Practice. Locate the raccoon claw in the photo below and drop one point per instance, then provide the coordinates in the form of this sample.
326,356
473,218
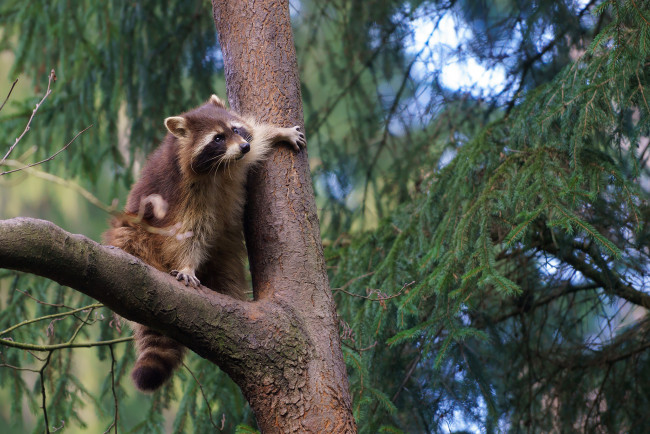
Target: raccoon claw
188,278
297,139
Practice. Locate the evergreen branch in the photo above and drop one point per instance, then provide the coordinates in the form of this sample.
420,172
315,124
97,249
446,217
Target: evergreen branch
413,332
53,347
409,373
638,80
527,65
608,358
205,398
611,283
17,368
55,315
52,78
590,230
640,13
115,418
50,158
92,199
380,297
65,183
9,94
42,377
596,400
79,327
391,112
473,272
331,104
41,302
610,353
543,301
361,350
351,281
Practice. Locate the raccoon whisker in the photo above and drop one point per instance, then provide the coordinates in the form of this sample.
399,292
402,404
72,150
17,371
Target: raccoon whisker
229,173
216,168
219,163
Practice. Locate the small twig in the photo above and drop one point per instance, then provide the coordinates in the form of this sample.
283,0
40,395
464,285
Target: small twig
51,157
9,94
66,183
32,354
56,315
169,231
41,301
204,397
351,281
17,368
360,350
52,78
33,347
47,361
114,424
79,327
640,13
380,297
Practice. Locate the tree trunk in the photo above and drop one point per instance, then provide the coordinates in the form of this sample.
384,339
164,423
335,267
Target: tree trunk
282,229
283,349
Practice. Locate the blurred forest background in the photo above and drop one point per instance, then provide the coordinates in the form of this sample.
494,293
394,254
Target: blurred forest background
482,177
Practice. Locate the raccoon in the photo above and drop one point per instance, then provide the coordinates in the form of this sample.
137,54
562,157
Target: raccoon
184,215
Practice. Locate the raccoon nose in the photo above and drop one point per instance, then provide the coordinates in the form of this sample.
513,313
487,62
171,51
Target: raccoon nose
245,147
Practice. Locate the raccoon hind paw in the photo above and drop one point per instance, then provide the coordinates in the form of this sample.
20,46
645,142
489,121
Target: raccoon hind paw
186,277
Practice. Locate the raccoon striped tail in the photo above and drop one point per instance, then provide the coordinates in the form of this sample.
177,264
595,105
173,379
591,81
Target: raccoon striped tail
158,357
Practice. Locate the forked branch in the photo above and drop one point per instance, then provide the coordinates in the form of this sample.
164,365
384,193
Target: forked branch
217,327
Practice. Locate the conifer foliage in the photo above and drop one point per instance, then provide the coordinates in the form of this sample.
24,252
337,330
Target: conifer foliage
488,250
528,252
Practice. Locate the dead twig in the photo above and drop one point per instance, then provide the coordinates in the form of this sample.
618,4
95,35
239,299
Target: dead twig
52,78
9,94
41,301
115,418
205,398
51,157
381,297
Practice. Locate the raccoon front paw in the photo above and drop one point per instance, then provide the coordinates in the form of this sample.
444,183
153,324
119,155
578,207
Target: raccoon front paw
296,138
186,276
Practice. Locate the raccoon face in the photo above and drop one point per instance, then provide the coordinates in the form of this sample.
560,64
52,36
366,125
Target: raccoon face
211,144
223,147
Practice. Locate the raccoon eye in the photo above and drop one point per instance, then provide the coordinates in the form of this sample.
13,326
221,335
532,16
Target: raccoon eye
236,130
219,138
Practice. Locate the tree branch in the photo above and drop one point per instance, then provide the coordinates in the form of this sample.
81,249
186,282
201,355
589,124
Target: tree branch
9,94
608,279
50,158
217,327
52,77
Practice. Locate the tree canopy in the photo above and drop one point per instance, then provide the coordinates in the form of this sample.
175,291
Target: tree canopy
487,239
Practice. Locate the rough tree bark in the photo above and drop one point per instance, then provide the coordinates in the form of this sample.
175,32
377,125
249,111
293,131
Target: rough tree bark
282,230
283,349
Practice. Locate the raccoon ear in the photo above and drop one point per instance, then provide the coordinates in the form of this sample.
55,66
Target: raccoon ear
214,99
177,126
